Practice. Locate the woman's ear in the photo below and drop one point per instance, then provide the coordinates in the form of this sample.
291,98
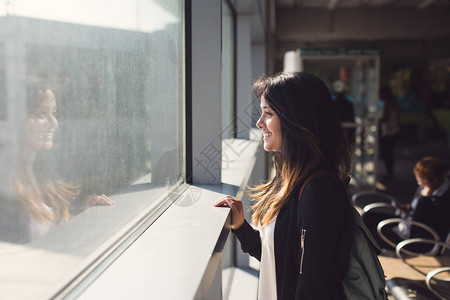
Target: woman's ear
347,181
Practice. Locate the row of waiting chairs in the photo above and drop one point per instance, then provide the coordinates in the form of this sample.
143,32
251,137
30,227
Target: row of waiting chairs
367,201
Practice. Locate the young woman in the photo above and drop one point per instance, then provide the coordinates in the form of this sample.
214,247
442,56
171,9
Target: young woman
304,237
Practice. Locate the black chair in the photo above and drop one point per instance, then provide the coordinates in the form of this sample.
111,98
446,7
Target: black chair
374,201
441,288
363,198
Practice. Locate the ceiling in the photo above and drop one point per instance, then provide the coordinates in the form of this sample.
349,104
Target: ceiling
333,4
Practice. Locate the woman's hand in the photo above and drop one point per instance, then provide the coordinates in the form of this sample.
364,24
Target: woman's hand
426,191
237,211
99,200
404,208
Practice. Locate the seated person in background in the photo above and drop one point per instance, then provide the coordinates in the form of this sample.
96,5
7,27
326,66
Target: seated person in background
430,205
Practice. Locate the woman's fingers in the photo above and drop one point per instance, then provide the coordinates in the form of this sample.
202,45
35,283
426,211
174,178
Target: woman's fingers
226,201
100,200
105,200
221,203
237,211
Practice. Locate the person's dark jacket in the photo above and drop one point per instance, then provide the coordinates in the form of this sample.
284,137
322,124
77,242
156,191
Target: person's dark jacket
433,211
324,211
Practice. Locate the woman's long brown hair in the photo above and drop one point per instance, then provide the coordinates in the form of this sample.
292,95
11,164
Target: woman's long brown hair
34,194
312,137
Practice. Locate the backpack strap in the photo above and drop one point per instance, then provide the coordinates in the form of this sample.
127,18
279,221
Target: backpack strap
356,216
359,222
309,178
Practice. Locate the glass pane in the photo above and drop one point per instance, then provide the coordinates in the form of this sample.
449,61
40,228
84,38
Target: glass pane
91,131
359,79
228,72
3,106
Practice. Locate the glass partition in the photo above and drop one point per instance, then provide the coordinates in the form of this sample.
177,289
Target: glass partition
358,72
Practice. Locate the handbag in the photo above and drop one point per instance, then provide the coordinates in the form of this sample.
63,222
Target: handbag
364,278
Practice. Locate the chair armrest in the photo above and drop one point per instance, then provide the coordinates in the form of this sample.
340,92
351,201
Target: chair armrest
432,252
433,273
363,198
399,220
377,205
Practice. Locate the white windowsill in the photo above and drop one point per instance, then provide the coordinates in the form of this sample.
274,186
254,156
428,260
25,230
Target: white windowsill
168,261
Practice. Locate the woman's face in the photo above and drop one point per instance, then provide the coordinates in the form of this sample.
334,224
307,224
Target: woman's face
42,122
424,183
270,125
420,181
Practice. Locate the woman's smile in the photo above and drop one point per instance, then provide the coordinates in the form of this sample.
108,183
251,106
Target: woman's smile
270,125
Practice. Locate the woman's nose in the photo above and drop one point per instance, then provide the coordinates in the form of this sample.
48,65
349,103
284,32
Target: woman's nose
52,122
259,123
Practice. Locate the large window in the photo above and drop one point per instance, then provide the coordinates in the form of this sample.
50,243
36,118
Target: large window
91,132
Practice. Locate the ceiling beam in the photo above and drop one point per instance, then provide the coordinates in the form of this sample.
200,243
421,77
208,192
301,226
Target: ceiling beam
332,4
298,3
425,3
287,3
380,2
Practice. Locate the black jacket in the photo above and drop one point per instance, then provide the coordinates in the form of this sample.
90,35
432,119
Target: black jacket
324,211
433,211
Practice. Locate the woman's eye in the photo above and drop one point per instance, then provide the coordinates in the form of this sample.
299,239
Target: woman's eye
38,115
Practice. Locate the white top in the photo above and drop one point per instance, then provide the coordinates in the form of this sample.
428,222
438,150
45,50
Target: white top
267,275
38,228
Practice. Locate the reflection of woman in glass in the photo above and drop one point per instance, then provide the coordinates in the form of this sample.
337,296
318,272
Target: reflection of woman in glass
42,200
